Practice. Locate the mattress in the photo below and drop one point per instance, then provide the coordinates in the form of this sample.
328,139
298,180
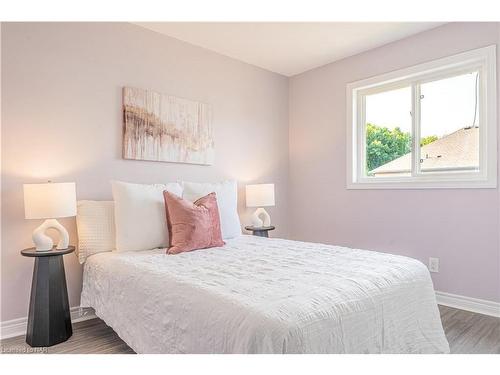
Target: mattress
266,295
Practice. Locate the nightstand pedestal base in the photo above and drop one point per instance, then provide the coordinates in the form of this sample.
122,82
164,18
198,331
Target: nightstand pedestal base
49,320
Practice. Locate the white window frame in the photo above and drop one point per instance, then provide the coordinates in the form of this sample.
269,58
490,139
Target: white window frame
482,60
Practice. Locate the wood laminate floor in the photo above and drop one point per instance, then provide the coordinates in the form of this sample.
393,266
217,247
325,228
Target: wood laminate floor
470,333
466,332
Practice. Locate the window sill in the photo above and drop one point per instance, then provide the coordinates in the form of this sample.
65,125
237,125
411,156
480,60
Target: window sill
416,184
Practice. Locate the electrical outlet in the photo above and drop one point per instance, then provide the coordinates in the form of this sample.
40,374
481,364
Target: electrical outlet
434,264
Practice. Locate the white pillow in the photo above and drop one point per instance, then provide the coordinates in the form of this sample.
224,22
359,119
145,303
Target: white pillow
227,201
140,217
95,224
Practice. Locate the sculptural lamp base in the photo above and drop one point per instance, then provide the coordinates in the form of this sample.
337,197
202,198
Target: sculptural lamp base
261,218
44,242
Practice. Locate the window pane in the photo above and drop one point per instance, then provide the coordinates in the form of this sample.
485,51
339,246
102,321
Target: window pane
388,133
449,131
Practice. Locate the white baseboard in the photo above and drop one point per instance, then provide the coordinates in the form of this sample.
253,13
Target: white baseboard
17,327
476,305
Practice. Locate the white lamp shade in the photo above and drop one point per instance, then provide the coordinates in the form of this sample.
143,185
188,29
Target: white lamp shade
49,200
260,195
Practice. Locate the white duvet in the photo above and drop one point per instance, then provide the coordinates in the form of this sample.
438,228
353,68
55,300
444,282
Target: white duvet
258,295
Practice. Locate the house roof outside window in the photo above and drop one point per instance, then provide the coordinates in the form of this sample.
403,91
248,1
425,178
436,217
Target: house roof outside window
457,151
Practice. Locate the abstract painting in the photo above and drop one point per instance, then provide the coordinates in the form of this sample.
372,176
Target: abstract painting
161,127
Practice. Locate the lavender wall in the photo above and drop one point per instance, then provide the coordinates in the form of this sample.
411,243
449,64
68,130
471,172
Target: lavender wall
460,226
61,119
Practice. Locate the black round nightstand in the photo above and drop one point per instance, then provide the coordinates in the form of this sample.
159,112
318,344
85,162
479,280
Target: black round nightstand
260,231
49,320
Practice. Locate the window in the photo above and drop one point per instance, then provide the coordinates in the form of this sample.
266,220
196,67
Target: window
428,126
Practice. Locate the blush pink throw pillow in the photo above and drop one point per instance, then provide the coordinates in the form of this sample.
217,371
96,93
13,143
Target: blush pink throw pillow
192,226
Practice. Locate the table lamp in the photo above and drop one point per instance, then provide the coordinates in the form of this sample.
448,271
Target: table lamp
49,201
260,195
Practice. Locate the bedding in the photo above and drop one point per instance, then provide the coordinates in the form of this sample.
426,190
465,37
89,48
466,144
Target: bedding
95,224
192,226
140,221
261,295
227,200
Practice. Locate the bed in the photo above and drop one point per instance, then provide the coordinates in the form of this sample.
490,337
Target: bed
260,295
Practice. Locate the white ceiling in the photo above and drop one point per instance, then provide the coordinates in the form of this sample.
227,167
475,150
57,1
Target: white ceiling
288,48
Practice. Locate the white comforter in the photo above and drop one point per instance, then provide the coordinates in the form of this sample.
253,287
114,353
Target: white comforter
258,295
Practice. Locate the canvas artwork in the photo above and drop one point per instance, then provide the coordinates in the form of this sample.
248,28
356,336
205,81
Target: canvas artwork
161,127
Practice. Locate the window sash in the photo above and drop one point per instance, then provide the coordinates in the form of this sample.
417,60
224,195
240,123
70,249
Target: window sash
483,61
415,86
